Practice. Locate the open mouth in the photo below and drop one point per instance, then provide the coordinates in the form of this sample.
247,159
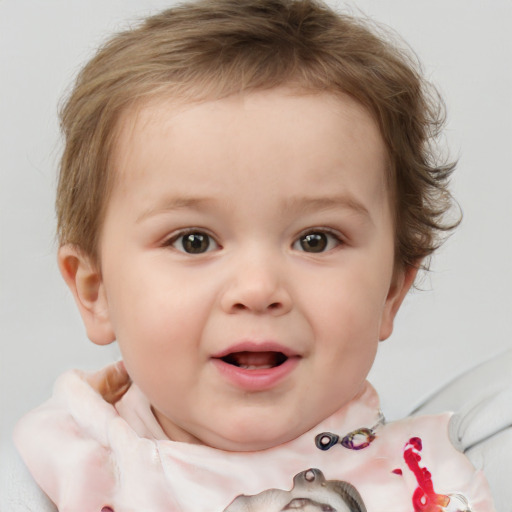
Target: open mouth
255,360
255,367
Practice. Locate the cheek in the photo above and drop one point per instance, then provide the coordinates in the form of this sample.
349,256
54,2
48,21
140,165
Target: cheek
348,304
150,294
159,324
159,317
159,339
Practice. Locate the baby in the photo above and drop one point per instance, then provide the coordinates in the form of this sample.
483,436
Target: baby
246,194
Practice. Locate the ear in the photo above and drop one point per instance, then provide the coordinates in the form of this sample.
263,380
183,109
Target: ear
402,282
84,280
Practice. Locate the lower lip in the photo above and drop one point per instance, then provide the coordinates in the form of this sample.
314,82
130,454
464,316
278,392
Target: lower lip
256,380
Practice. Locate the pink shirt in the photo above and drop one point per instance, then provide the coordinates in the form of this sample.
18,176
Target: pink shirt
88,455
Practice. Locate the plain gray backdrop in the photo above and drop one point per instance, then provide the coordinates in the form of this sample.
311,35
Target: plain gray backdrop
462,316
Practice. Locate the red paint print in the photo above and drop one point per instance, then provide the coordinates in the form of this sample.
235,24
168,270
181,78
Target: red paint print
424,499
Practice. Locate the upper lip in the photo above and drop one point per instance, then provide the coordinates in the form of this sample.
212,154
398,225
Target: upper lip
254,346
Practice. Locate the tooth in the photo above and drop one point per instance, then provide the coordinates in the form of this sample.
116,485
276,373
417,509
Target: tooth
253,367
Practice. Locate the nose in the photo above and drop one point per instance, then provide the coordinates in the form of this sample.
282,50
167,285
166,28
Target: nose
257,285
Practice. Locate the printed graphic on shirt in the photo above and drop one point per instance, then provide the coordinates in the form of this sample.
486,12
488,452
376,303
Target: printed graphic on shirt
425,498
311,492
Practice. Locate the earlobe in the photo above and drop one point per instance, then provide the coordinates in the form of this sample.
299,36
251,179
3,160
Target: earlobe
84,280
402,283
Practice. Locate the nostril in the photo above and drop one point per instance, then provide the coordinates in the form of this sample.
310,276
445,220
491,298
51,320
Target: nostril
241,307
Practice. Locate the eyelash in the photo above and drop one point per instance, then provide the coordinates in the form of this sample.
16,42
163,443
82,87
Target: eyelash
332,240
181,236
322,240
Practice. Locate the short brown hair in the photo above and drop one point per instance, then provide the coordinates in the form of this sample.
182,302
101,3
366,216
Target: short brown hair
215,48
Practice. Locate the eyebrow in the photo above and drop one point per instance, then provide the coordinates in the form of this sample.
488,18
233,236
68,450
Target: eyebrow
308,204
295,204
175,203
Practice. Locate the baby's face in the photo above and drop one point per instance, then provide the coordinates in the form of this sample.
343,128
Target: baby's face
247,262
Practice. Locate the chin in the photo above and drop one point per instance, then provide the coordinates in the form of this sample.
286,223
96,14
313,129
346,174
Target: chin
250,438
246,445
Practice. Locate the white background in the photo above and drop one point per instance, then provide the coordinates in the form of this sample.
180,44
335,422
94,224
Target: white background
462,316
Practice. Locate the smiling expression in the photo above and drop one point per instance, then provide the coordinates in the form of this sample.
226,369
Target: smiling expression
247,262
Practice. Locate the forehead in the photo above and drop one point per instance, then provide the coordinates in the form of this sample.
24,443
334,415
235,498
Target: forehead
277,142
310,118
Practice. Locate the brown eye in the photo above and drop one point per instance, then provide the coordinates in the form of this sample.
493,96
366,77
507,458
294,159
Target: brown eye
316,242
194,243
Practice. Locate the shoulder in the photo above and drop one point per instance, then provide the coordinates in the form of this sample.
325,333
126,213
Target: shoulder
84,455
481,425
64,442
18,489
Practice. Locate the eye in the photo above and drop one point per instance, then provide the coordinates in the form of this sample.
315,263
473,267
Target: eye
316,241
193,242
